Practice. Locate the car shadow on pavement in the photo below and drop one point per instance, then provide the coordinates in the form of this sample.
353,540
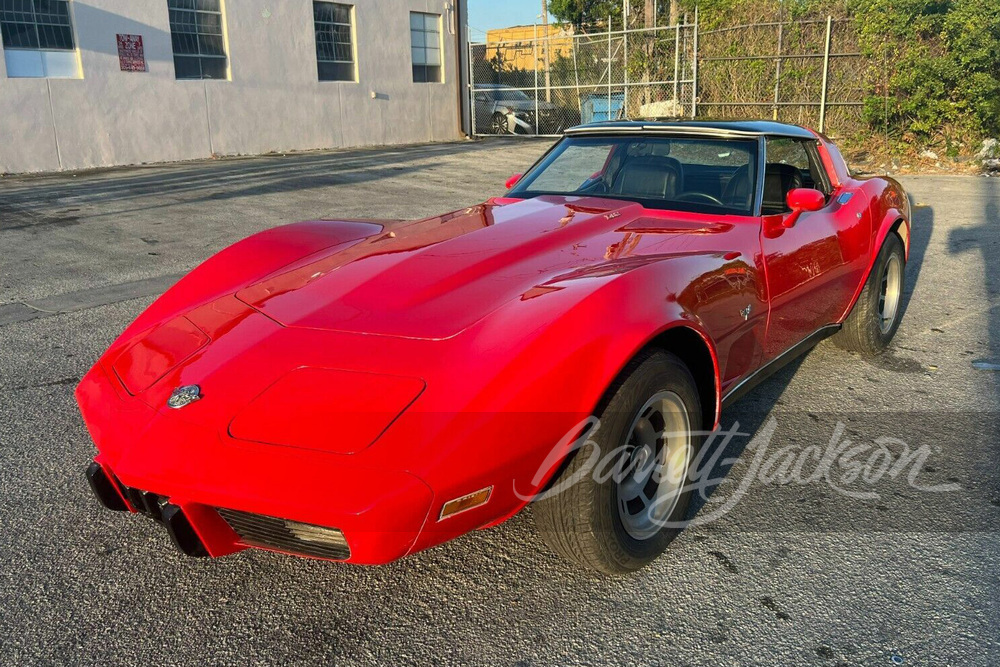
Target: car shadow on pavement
921,228
746,416
985,238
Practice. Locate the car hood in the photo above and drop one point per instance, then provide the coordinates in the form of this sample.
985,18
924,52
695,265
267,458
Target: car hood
433,278
346,308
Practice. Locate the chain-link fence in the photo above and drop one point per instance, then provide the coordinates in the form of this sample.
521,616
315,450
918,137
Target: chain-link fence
805,72
541,85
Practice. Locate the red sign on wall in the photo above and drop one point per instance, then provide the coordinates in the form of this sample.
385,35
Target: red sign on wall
131,56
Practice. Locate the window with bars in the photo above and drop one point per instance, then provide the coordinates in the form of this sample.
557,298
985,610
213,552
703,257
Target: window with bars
425,47
37,38
198,39
334,41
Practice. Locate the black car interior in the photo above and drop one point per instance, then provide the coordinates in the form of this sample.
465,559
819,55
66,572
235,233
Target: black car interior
650,176
779,179
738,191
645,170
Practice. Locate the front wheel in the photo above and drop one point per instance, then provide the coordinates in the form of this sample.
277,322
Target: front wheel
498,124
875,317
631,484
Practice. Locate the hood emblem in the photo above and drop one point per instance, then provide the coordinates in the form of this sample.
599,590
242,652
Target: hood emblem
183,396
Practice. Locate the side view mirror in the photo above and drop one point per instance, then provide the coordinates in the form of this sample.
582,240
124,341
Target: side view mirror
802,200
512,181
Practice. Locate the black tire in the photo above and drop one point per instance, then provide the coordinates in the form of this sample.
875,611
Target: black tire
498,124
584,522
866,329
561,122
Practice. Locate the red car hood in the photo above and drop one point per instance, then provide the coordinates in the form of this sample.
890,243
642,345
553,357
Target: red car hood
433,278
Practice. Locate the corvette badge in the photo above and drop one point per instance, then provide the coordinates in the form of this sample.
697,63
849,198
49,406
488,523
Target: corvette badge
183,396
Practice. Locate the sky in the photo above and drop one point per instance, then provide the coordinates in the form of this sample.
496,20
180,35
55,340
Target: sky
488,14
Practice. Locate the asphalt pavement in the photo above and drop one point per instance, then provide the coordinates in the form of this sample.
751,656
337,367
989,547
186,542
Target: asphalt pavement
857,565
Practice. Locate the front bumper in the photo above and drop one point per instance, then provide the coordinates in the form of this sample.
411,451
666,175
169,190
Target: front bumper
115,496
548,122
183,474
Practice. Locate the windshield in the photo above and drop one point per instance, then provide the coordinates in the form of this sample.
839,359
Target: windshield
664,172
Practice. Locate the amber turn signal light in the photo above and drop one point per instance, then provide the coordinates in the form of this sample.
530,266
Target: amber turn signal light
465,503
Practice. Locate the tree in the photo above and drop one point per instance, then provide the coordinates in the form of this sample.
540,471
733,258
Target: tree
581,13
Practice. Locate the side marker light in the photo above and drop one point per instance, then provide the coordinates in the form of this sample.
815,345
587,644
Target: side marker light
466,503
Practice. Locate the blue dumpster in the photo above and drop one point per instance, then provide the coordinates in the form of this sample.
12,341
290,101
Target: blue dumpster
601,106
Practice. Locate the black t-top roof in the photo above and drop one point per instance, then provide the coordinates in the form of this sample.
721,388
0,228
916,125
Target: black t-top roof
707,127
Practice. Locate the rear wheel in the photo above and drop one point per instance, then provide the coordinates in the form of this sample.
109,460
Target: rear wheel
875,317
622,513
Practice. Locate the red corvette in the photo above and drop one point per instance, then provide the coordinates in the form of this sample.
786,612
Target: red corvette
361,390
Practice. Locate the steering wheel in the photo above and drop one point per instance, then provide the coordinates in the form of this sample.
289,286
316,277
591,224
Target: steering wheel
700,196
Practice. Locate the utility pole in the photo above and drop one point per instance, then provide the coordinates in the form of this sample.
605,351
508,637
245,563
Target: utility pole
648,39
545,50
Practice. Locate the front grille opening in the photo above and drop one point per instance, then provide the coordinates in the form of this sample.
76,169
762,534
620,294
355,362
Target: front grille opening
257,530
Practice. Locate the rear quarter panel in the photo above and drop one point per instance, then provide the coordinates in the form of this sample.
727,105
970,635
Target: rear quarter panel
887,207
887,211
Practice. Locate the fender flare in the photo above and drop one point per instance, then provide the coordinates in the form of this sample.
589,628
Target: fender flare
687,323
654,339
694,326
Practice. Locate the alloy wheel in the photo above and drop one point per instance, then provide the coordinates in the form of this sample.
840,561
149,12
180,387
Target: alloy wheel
889,293
652,471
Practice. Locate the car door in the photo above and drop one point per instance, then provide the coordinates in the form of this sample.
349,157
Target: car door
813,266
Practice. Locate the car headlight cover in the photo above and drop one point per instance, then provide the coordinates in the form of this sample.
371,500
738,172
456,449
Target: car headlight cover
330,410
157,352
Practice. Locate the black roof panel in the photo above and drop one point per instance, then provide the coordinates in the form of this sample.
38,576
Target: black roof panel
721,127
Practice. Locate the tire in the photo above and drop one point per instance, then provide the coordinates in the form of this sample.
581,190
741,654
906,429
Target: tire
591,521
498,124
875,317
561,122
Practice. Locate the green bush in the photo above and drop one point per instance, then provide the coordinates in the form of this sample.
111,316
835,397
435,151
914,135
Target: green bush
934,67
972,33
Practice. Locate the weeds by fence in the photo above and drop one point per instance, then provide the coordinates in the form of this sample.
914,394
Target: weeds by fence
803,72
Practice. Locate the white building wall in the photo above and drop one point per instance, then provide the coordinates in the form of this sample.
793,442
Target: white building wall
272,102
